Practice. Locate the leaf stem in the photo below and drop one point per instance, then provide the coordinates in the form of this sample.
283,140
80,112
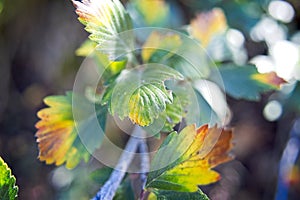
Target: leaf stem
145,164
108,190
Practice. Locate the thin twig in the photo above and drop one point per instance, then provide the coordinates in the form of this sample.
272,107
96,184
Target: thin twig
108,190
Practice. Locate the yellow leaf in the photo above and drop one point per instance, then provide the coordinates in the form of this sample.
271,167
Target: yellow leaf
209,148
208,24
269,79
152,16
56,135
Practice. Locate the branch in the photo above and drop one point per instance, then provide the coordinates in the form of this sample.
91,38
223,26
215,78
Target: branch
145,165
108,190
145,161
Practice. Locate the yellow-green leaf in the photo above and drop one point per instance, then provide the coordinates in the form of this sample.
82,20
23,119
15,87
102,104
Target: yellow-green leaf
86,48
105,20
140,94
160,46
151,17
270,78
173,195
197,152
8,189
57,135
207,25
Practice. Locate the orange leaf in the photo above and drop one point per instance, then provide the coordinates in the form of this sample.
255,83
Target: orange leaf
269,79
208,24
199,150
56,135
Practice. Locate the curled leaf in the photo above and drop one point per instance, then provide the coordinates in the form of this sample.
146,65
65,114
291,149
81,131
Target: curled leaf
198,151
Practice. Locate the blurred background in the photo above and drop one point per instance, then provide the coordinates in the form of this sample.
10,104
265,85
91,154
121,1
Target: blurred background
38,39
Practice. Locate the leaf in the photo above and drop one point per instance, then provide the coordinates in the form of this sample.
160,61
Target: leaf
57,135
174,114
246,83
105,20
140,94
270,78
173,195
176,50
207,25
8,188
101,175
159,46
146,17
212,103
184,160
86,48
125,190
207,114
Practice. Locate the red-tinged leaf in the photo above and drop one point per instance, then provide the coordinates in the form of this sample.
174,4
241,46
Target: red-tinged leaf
270,79
57,136
197,152
104,19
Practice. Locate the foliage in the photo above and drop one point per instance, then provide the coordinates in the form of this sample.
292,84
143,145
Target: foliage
158,76
199,149
8,189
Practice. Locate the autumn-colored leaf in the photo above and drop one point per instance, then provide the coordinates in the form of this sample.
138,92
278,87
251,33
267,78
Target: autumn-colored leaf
8,189
270,78
187,158
105,17
173,195
105,20
207,25
246,82
57,135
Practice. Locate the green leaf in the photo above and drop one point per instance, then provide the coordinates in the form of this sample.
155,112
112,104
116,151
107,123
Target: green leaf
184,160
246,83
57,134
212,103
86,48
140,94
173,195
8,189
176,50
207,114
125,190
160,46
101,175
105,20
174,114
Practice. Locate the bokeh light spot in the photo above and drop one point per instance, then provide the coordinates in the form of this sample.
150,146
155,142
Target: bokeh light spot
272,110
281,10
